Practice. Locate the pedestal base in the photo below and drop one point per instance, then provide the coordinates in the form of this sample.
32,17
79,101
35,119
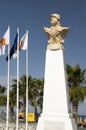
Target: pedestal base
56,123
56,108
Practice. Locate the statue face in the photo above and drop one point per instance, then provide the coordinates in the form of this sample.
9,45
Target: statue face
53,20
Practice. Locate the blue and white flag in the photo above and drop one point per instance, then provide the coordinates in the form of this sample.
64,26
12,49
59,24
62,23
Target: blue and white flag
14,47
23,44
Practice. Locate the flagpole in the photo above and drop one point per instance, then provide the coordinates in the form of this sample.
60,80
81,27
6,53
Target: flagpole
17,98
27,84
8,84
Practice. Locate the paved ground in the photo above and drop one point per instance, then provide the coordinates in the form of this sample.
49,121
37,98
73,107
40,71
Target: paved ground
12,126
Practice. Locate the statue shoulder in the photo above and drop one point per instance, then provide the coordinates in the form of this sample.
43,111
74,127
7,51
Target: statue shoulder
64,31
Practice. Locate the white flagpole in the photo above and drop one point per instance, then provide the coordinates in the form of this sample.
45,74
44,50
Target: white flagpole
17,98
27,84
8,82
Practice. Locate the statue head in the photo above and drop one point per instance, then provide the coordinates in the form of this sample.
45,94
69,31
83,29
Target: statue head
57,16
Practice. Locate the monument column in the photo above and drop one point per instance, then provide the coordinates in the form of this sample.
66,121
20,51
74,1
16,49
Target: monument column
56,114
55,86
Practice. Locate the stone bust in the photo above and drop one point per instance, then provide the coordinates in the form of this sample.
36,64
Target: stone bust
56,33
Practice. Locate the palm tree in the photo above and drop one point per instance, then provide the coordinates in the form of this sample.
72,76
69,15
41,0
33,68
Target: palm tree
12,98
2,89
12,102
32,92
13,94
3,97
41,88
34,89
22,89
36,95
77,89
3,100
77,95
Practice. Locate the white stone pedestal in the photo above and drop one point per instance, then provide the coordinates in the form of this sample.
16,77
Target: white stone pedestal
56,112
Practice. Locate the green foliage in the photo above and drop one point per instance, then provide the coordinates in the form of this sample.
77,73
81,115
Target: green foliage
3,100
3,97
77,90
77,86
76,76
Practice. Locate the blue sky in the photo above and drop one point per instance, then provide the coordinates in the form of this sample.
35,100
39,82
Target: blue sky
33,15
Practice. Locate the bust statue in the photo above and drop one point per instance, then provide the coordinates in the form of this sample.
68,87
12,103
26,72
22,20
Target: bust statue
56,33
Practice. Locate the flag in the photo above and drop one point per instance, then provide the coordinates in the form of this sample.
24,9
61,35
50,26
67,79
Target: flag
22,44
14,47
4,41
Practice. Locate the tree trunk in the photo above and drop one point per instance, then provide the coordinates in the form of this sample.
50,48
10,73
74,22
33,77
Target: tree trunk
12,118
36,116
75,111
